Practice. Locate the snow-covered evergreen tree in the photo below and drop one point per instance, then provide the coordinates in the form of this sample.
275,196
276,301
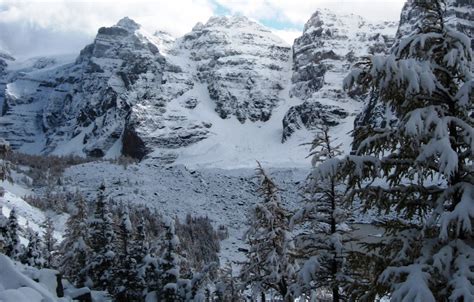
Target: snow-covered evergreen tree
323,220
4,164
147,262
49,242
13,248
269,265
74,250
227,285
194,289
421,167
128,284
169,264
141,248
33,253
99,269
3,231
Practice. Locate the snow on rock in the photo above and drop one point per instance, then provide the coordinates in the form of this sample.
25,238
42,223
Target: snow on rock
311,115
226,94
243,64
125,95
84,107
225,196
458,15
322,57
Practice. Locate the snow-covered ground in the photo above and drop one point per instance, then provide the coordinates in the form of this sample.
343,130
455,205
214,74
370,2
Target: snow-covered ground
225,196
28,216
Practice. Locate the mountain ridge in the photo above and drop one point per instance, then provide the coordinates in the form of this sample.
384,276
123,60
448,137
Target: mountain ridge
228,87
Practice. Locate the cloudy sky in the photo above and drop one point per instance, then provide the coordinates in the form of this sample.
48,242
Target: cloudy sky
65,26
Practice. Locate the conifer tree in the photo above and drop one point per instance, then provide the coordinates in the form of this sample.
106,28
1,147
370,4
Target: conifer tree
269,265
128,284
421,167
141,248
49,243
319,245
74,249
226,286
33,253
169,264
4,164
3,231
13,248
101,240
148,263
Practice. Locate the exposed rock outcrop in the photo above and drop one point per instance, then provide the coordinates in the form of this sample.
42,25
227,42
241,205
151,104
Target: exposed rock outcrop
322,56
243,64
311,115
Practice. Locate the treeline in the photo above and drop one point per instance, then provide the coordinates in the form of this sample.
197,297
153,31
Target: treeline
46,171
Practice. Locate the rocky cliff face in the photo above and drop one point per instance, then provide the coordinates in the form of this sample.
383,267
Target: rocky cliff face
243,65
139,94
130,92
322,57
86,105
458,14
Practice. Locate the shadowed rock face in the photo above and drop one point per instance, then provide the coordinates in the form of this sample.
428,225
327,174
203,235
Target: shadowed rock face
5,58
116,73
311,115
243,65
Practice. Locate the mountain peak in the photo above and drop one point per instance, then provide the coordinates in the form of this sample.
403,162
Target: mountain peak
128,24
234,21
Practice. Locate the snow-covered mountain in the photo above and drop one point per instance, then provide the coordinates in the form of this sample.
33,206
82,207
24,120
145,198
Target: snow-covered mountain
322,57
458,15
5,59
243,64
230,91
222,96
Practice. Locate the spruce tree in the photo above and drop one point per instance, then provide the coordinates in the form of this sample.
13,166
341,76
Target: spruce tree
33,253
49,243
4,164
13,248
74,249
3,231
269,265
420,168
101,240
128,283
323,220
169,264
